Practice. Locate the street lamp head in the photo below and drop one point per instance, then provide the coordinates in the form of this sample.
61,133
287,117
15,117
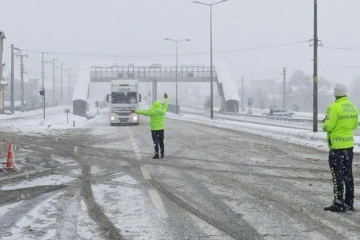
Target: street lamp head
209,4
201,3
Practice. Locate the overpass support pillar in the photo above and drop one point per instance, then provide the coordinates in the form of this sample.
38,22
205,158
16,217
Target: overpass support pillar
154,88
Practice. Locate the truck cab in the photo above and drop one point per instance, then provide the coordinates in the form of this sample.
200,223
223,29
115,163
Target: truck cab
124,97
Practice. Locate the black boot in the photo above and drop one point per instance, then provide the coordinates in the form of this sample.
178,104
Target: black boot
336,207
349,206
156,156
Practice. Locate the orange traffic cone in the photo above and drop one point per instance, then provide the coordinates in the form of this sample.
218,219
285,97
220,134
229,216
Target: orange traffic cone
10,158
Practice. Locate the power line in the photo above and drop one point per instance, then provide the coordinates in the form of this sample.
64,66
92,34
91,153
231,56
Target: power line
279,45
339,66
264,47
343,48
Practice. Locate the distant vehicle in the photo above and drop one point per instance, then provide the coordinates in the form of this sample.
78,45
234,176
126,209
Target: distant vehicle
279,113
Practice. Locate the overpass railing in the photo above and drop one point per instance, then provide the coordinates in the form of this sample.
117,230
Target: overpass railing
163,74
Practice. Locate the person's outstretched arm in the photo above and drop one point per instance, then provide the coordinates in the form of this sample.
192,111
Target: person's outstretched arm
166,102
145,112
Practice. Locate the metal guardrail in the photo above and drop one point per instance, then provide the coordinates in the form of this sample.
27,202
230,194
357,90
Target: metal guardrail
288,119
253,116
172,108
304,124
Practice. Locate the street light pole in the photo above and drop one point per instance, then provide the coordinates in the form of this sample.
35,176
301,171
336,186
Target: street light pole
315,77
211,57
176,71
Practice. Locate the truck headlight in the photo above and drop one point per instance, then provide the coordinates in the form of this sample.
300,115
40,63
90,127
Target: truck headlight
112,118
135,117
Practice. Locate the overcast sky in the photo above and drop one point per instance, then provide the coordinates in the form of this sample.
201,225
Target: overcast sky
134,31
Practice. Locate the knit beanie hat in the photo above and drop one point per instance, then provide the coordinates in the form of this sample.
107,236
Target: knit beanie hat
340,90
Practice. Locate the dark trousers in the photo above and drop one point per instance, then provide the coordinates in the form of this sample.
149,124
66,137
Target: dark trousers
158,139
340,161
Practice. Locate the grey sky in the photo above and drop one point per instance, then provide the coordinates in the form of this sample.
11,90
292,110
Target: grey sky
135,30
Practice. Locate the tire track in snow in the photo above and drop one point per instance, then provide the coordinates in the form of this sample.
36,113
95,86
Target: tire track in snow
154,195
108,228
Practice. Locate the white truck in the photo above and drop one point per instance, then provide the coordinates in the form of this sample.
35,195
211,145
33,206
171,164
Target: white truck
124,97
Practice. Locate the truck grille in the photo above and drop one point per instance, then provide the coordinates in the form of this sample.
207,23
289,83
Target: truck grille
123,113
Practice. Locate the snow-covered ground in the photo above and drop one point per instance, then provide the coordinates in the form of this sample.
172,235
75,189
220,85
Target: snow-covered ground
56,121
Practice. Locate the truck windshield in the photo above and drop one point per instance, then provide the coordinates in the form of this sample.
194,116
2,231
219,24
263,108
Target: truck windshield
124,97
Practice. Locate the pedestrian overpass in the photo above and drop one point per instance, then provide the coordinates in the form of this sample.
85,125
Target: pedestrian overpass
156,73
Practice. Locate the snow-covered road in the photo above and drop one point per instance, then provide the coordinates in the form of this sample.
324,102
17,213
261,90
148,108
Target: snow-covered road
219,180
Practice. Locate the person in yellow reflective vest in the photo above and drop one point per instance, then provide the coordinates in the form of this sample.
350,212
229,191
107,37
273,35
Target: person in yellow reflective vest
157,123
340,122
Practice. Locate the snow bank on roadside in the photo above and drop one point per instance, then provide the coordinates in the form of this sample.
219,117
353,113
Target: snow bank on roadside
301,137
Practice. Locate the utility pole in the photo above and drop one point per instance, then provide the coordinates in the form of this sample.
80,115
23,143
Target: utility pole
2,95
12,80
242,94
43,62
42,70
22,79
12,77
284,87
61,83
177,77
211,69
43,78
315,76
53,62
68,86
